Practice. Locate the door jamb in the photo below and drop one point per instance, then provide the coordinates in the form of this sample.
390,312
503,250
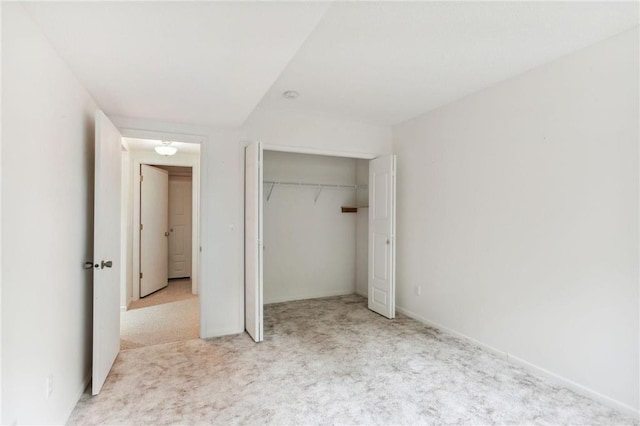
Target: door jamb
312,151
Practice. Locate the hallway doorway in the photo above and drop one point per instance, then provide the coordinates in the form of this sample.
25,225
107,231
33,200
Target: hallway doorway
166,310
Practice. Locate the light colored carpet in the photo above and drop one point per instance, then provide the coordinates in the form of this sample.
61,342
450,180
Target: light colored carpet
176,290
331,361
153,325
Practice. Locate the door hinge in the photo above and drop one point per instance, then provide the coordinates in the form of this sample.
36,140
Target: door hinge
141,226
141,178
141,274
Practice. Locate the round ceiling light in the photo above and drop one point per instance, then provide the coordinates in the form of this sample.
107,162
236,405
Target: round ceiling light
166,149
290,94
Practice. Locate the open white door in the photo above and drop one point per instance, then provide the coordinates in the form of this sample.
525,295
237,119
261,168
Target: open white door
154,229
106,250
382,227
253,242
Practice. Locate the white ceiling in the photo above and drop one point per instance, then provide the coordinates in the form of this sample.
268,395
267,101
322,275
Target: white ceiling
189,62
388,62
212,63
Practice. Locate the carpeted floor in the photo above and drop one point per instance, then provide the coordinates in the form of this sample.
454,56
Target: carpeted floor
331,361
165,316
179,289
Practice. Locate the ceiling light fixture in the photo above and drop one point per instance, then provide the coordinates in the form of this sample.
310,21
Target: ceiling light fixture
166,149
290,94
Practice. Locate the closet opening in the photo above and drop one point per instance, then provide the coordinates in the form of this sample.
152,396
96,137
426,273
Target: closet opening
308,230
315,226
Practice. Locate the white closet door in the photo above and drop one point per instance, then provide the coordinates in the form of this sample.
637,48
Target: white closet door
382,211
253,242
106,251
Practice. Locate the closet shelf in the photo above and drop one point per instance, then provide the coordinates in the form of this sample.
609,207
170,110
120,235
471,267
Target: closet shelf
315,185
318,186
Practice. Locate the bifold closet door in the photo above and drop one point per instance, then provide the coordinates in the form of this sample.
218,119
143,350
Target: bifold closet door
253,256
382,212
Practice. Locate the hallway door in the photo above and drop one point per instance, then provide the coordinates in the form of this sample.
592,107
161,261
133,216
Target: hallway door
154,229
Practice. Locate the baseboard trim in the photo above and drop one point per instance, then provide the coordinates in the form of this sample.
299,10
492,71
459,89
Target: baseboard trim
77,396
308,296
219,333
534,369
361,294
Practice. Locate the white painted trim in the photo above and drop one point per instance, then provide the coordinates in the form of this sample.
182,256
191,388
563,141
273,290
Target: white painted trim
307,296
186,160
534,369
78,395
315,151
222,332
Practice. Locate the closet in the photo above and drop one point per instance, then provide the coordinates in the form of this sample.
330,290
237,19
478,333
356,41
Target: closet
310,217
311,232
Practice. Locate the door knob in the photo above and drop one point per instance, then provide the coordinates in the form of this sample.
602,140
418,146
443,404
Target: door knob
88,265
166,234
107,264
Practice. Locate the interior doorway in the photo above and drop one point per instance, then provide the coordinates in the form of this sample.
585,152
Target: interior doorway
161,197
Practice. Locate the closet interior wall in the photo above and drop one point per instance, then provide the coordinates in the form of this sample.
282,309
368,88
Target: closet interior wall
362,227
309,244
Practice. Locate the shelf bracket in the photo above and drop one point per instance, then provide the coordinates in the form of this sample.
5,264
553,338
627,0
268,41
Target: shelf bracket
270,191
317,194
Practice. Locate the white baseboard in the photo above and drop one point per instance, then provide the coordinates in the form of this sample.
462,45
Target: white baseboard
219,332
77,396
535,369
126,308
308,296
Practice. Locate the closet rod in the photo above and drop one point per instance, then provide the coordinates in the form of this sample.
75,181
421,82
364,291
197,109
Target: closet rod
315,185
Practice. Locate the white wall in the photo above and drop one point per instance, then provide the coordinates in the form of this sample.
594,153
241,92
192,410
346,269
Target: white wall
47,226
309,247
518,217
306,131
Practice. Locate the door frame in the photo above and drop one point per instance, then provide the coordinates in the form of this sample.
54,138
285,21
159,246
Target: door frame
138,158
311,151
